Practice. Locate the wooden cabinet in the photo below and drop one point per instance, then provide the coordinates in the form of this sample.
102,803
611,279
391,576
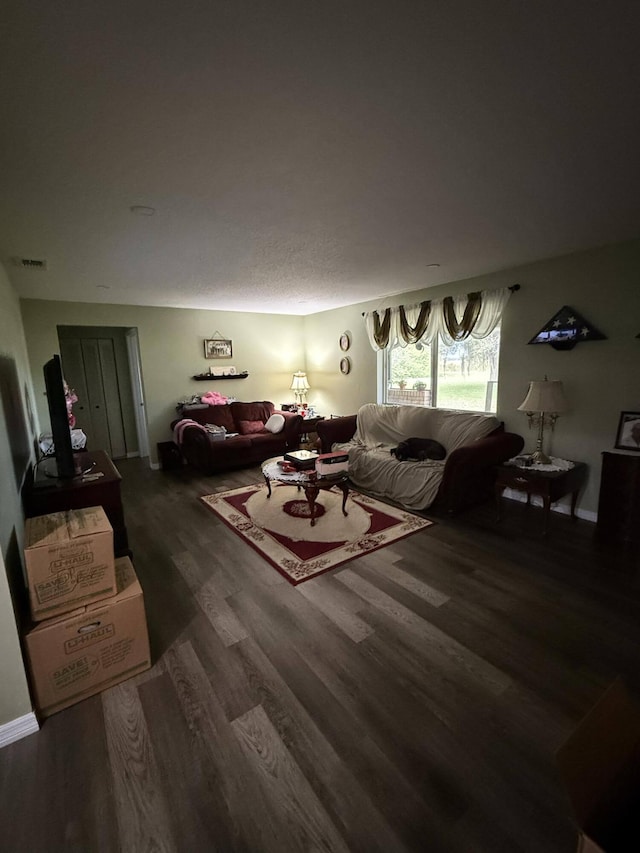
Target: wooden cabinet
619,502
100,487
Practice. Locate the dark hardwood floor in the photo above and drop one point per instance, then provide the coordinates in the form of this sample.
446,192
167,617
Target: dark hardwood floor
411,700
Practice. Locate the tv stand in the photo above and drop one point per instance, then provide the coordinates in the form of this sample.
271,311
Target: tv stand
43,494
48,467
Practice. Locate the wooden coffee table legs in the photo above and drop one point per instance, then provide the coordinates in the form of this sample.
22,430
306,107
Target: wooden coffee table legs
313,488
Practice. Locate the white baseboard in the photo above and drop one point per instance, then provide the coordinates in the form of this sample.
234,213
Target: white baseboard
562,507
18,728
155,466
133,455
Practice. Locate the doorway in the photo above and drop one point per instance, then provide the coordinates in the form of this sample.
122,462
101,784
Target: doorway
97,364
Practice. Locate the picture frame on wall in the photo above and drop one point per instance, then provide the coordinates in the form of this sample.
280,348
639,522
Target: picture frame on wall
628,435
217,348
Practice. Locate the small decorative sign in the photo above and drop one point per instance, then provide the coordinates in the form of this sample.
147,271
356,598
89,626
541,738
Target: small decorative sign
217,348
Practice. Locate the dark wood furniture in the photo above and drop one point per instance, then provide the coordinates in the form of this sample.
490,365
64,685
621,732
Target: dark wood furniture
549,485
309,482
99,486
308,430
169,455
619,501
317,484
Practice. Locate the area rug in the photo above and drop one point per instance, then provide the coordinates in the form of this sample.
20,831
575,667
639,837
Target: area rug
279,528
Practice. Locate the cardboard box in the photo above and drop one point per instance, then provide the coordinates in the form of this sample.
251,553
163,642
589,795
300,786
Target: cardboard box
600,766
71,657
330,464
69,560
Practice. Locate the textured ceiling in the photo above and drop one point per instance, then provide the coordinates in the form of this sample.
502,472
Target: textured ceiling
302,156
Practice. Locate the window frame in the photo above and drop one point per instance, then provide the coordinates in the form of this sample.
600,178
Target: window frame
384,376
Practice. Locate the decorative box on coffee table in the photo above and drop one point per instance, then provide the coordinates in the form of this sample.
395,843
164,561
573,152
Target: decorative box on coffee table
302,460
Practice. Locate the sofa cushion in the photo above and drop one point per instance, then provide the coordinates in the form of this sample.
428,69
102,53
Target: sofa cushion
275,424
256,411
268,443
387,426
218,415
250,427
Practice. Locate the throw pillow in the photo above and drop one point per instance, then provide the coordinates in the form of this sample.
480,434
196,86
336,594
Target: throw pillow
250,427
419,449
275,423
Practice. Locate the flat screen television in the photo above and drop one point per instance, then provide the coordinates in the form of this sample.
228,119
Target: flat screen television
65,465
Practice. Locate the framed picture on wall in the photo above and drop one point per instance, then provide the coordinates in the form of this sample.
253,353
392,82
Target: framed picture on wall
628,435
217,348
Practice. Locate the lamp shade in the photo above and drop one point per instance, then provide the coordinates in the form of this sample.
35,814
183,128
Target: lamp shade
300,381
544,395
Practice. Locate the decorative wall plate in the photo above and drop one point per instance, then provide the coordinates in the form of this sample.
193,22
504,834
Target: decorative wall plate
345,365
345,341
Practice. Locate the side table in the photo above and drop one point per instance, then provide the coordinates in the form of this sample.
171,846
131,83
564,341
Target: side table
308,427
549,485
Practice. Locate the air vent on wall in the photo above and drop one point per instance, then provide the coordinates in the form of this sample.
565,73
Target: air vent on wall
30,263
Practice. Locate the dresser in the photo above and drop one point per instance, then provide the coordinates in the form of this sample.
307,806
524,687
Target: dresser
100,486
619,501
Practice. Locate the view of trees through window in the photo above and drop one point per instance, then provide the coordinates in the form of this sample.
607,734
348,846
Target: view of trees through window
461,376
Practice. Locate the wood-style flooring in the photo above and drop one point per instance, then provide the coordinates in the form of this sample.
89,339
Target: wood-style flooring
411,700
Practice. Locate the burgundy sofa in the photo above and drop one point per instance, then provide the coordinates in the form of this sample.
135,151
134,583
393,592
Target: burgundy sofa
252,444
469,471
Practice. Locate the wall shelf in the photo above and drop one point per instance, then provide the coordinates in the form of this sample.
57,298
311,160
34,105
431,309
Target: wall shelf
206,377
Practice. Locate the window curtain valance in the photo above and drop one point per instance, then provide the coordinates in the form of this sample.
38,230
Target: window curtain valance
453,318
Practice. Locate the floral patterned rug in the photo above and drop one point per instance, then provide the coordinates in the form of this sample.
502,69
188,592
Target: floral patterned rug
279,527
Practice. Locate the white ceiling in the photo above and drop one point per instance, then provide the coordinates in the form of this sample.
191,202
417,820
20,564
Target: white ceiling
307,155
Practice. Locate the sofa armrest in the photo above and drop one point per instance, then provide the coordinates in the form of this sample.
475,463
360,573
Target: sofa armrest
292,428
195,447
336,430
469,471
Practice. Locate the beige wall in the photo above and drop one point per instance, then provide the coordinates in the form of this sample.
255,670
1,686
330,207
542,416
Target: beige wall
269,346
600,378
14,693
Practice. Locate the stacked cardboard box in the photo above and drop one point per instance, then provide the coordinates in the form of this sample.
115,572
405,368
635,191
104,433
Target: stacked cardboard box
89,629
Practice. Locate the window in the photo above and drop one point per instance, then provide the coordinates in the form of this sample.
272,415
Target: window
461,376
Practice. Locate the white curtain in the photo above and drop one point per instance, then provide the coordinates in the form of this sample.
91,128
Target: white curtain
493,304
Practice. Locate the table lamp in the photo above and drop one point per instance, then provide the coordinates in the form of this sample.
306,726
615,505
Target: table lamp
544,401
300,386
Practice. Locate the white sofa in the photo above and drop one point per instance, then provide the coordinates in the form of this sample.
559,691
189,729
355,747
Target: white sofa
475,443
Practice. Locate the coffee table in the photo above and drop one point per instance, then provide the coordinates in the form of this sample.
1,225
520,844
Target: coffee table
306,480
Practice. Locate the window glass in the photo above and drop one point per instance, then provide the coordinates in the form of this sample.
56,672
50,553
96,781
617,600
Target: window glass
409,375
468,374
462,376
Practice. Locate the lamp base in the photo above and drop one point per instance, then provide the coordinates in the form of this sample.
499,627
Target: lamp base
540,458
